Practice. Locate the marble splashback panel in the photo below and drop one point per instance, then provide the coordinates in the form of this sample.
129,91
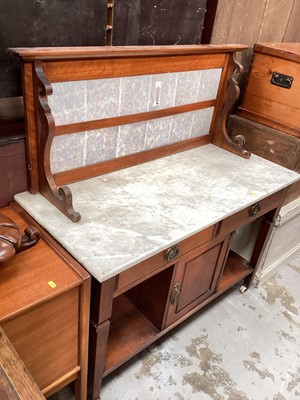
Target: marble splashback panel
78,150
103,98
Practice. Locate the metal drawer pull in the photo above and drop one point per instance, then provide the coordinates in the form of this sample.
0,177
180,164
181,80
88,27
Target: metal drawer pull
281,80
171,253
176,294
255,209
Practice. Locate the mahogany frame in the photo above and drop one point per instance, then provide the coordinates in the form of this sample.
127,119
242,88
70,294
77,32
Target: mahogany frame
42,66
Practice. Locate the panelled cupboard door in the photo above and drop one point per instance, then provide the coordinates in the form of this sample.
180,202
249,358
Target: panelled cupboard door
195,280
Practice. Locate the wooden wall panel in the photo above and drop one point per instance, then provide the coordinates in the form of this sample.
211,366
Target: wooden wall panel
253,21
222,21
275,20
234,21
292,33
246,19
239,22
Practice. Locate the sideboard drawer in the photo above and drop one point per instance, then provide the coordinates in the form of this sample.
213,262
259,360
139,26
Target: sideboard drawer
147,268
252,212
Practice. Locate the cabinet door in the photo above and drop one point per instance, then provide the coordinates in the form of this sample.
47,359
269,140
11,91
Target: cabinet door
195,280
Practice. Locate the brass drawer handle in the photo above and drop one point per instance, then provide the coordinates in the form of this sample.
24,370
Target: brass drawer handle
171,253
255,209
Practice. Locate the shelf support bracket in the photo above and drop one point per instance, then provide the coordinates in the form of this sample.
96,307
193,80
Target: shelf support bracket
60,197
221,137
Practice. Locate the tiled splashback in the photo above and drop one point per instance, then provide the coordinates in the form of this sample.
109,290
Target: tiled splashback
103,98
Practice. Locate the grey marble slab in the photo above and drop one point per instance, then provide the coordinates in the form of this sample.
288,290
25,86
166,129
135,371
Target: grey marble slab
132,214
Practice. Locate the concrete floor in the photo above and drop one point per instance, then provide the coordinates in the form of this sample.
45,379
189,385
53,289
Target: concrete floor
240,347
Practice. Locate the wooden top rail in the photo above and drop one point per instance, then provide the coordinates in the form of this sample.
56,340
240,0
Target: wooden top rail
73,53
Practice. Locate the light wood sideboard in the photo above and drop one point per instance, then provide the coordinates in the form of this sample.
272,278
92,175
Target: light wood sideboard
44,311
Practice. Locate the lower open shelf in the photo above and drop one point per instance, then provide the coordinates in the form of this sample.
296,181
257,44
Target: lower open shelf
236,269
130,332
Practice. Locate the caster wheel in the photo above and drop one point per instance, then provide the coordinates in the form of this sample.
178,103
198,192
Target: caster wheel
243,289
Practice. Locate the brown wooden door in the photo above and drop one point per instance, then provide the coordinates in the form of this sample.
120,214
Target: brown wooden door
195,280
198,277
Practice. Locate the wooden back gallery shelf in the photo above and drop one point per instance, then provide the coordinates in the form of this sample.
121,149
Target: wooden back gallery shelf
43,67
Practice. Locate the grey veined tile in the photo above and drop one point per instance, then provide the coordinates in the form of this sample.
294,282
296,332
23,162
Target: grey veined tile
191,124
209,84
68,102
201,122
187,87
67,152
181,127
101,145
102,98
158,131
135,92
131,138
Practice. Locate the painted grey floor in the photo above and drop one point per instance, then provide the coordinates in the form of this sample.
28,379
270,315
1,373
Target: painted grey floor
241,347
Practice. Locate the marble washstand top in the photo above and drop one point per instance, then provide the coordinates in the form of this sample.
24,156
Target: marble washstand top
130,215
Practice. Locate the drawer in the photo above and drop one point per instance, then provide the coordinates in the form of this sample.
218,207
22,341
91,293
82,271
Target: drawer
152,265
251,213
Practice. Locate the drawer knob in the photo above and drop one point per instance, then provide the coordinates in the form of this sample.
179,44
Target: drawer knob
171,253
255,209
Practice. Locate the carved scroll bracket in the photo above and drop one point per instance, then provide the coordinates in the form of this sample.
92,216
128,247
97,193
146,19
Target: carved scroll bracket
236,145
60,197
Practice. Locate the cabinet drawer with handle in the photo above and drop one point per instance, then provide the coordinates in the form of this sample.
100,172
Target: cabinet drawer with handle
147,268
250,213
